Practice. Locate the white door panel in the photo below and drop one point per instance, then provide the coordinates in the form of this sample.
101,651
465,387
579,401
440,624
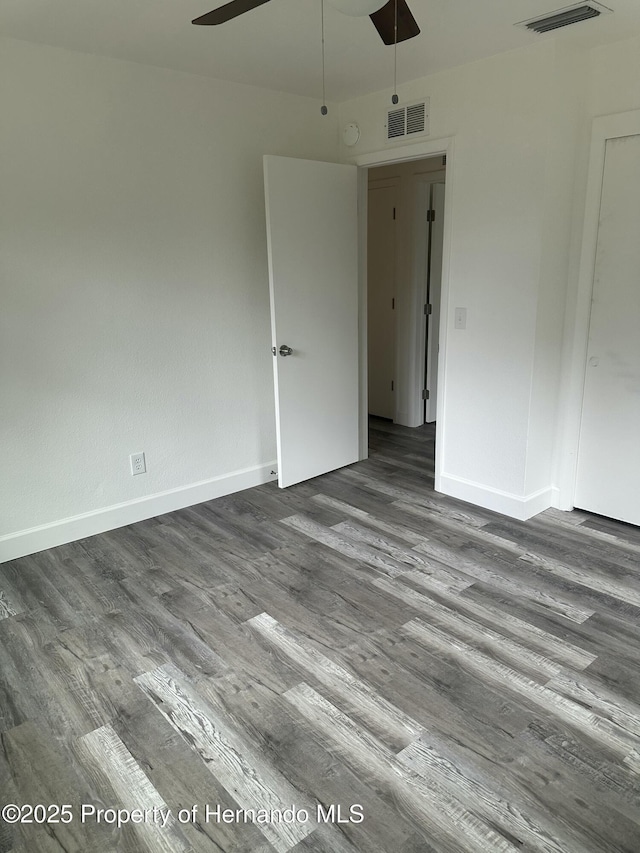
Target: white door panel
313,274
609,453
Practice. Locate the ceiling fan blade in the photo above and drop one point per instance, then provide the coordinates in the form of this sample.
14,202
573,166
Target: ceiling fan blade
227,12
384,21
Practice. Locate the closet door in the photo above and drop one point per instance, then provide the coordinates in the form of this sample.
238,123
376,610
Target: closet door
608,480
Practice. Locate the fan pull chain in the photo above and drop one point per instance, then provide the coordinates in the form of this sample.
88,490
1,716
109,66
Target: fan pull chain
394,97
323,108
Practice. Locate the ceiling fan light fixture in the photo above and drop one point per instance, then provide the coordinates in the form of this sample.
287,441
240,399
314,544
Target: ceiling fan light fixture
357,8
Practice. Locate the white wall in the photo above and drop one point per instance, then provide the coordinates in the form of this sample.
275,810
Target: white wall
615,78
134,286
505,263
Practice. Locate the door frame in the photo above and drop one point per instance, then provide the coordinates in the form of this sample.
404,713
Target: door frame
578,309
424,243
385,183
415,151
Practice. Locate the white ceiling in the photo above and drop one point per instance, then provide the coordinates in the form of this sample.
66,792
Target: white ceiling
278,44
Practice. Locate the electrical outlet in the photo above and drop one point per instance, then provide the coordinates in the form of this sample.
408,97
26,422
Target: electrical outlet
138,463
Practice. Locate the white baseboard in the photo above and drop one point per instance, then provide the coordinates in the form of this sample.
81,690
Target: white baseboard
521,507
66,530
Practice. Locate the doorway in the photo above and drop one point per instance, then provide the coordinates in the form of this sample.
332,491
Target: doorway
352,403
405,234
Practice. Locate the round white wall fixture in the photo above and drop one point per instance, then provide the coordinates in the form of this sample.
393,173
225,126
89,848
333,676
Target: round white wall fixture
351,134
355,8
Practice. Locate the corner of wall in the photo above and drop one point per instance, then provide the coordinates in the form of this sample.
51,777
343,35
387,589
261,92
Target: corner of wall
560,231
520,507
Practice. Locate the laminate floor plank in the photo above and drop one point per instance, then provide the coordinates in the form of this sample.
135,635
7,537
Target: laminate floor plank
300,572
521,820
344,544
9,840
429,805
38,593
556,648
45,772
298,751
419,674
403,555
165,554
347,622
590,532
622,535
582,777
514,811
238,646
561,547
38,689
182,779
496,744
413,490
119,779
343,489
614,735
232,759
429,688
7,607
479,636
483,567
386,721
500,737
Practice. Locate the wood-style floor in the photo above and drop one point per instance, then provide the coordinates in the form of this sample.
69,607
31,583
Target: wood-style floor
450,679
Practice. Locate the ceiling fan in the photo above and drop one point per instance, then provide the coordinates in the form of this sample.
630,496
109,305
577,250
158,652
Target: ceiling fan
383,14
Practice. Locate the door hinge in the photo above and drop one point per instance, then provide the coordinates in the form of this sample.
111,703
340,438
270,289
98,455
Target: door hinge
394,213
431,216
428,309
425,394
392,384
393,304
444,159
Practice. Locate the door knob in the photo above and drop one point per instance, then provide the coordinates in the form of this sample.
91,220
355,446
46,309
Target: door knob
285,350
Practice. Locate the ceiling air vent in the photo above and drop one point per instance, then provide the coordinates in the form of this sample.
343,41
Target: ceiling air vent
565,17
407,121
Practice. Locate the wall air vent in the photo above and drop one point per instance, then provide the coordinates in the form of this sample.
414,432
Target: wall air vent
396,123
565,17
407,121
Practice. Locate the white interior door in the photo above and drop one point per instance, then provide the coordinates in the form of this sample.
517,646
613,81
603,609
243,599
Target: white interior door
312,235
609,452
381,284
